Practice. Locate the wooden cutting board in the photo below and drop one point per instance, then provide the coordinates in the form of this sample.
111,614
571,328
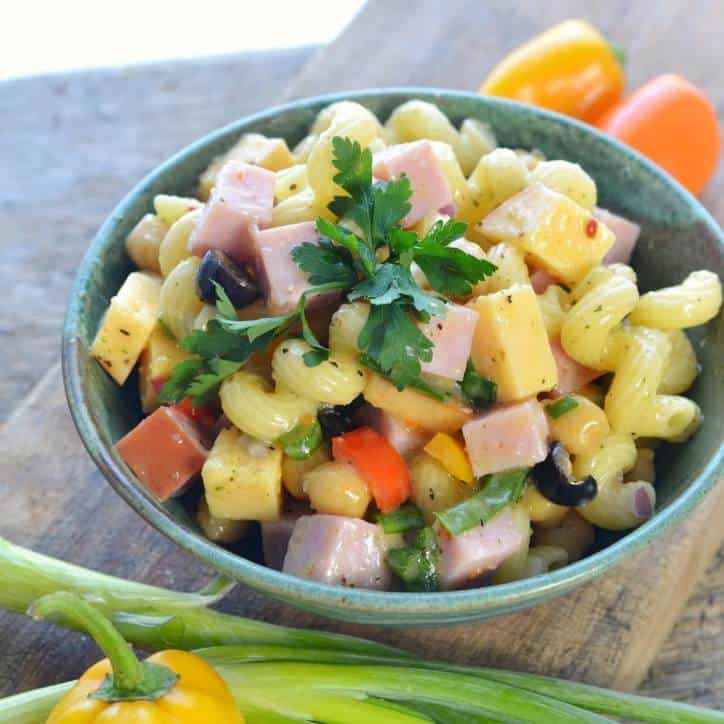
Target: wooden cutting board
606,632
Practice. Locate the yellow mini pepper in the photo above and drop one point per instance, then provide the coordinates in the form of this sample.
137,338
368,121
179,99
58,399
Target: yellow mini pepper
570,68
451,454
168,686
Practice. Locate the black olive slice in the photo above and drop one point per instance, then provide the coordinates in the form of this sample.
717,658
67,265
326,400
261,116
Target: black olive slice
220,268
554,479
338,419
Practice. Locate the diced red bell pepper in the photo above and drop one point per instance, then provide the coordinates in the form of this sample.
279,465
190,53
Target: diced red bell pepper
157,383
380,465
202,414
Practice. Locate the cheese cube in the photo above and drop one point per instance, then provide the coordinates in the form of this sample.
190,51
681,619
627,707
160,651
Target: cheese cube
270,153
555,232
510,345
160,355
127,325
243,478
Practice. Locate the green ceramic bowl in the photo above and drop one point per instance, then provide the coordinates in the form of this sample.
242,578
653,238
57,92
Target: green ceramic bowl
678,235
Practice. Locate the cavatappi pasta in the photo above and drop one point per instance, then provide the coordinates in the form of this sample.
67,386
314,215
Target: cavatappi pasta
548,382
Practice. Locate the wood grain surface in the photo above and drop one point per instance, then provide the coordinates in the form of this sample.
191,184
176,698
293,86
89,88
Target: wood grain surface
77,143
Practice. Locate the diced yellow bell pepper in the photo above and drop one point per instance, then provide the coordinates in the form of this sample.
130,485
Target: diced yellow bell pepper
451,454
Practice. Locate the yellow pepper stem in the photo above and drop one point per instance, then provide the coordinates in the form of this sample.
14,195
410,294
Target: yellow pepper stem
129,674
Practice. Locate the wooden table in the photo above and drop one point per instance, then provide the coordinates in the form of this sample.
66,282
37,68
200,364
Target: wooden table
74,143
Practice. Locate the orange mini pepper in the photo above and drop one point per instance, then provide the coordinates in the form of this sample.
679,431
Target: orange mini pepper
570,68
169,686
673,123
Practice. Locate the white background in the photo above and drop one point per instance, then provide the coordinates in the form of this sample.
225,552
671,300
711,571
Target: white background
45,36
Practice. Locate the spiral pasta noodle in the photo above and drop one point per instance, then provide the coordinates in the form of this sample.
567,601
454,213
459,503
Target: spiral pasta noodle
345,119
179,306
336,381
248,401
693,302
603,299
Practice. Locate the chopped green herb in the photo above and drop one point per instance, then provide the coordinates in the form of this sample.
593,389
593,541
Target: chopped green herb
301,441
481,391
346,259
497,491
561,407
416,564
406,517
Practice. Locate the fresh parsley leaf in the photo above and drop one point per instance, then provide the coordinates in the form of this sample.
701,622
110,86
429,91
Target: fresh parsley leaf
394,344
376,208
449,270
183,374
206,385
391,203
401,241
392,283
354,165
252,329
224,305
360,257
367,255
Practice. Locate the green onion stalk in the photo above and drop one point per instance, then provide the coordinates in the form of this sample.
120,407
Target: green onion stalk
151,617
280,675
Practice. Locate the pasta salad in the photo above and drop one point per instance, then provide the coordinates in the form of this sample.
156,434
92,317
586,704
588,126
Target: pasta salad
402,357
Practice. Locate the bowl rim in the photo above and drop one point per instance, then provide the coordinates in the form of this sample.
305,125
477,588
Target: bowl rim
445,606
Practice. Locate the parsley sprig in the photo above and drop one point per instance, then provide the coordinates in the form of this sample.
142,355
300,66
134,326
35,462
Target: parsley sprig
367,255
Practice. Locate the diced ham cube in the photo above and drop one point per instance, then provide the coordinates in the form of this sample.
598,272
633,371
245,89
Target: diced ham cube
241,201
626,233
164,450
417,160
452,336
338,550
572,375
275,537
465,558
281,280
514,436
405,438
540,280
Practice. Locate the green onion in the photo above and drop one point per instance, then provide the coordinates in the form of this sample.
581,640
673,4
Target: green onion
32,707
481,391
301,441
406,517
561,407
416,564
497,492
150,617
281,676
